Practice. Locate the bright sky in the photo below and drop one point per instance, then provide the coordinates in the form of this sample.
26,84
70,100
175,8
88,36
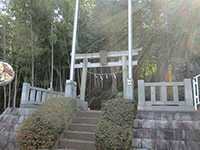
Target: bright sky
2,4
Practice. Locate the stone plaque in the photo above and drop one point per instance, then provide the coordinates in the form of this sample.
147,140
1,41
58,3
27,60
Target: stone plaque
103,58
129,82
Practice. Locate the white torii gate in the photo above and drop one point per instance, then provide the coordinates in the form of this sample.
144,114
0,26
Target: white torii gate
70,90
120,62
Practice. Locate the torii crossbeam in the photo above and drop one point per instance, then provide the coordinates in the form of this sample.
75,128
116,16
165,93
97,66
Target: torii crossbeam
112,54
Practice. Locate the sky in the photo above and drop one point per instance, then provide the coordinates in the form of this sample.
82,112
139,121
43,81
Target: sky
2,5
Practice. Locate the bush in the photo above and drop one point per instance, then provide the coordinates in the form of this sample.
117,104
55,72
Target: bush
99,97
114,129
42,129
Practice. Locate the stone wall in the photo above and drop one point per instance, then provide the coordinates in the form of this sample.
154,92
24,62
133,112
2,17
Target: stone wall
162,130
9,122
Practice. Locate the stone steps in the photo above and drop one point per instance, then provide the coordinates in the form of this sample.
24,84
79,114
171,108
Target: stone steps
163,130
81,133
77,144
87,136
82,127
89,114
85,120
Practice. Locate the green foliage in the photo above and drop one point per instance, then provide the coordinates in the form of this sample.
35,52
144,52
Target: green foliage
99,97
114,130
147,69
42,128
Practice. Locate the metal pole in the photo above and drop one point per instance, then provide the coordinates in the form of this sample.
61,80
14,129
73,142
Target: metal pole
130,76
74,41
129,90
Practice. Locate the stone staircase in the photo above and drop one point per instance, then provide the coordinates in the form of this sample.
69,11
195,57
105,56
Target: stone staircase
81,133
162,130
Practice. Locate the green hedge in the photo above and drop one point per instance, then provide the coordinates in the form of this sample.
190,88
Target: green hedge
42,129
114,129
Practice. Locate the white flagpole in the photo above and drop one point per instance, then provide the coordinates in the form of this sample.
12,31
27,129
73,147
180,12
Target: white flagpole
74,40
130,76
129,92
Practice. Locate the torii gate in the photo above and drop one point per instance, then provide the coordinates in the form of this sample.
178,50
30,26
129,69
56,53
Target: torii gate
70,90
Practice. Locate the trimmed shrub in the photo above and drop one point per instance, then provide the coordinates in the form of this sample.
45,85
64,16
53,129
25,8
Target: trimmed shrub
42,129
114,129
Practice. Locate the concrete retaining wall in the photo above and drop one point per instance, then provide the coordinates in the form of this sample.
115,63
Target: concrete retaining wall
9,122
163,130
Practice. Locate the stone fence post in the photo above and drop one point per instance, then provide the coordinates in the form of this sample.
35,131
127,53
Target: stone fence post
70,89
188,92
141,93
25,93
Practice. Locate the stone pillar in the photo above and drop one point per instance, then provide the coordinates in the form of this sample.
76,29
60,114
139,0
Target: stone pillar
70,89
83,80
188,92
163,93
125,76
25,93
141,94
196,92
82,104
32,96
129,90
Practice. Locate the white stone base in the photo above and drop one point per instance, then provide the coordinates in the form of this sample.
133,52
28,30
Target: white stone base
70,89
129,91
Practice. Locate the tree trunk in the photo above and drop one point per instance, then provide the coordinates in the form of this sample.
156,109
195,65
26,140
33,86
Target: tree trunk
52,59
4,41
60,79
79,78
15,91
32,56
9,95
5,97
95,81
